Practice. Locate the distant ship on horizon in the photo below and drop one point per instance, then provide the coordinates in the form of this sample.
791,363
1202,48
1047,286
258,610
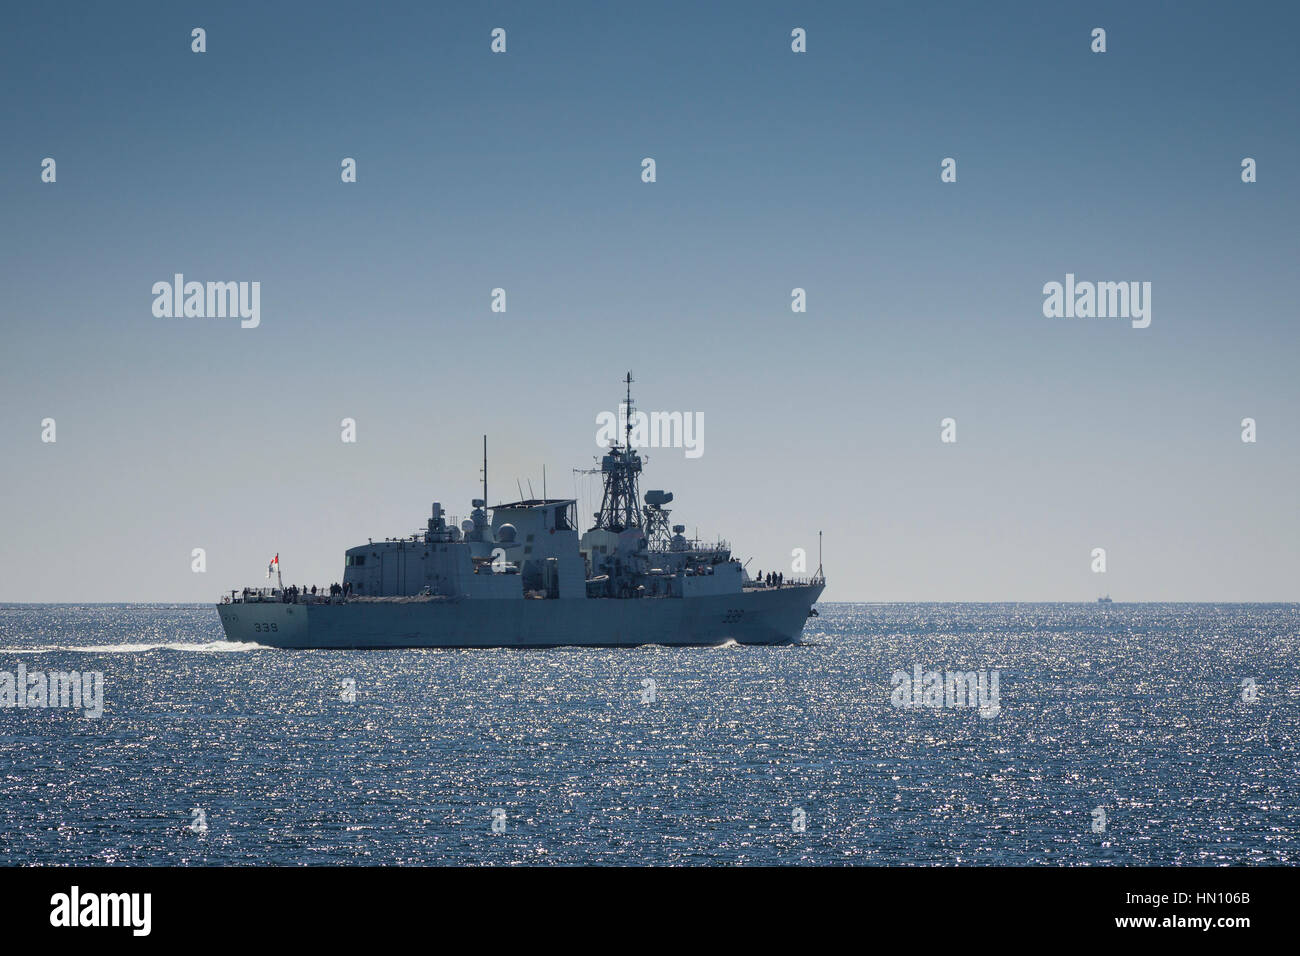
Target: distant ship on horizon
524,578
1105,599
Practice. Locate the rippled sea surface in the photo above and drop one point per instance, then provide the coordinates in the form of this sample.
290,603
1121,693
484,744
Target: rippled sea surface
1139,710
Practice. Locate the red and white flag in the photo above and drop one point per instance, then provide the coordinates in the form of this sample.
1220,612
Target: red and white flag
273,566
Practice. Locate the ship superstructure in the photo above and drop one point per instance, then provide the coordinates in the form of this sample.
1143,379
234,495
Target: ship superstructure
519,574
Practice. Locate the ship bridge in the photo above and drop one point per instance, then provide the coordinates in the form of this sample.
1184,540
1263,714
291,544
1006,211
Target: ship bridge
555,514
540,537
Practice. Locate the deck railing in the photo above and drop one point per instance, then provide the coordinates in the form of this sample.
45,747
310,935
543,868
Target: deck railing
787,583
281,596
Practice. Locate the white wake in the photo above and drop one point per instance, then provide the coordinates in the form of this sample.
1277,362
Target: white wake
221,647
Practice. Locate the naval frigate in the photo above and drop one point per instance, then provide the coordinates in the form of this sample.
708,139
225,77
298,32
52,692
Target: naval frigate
522,576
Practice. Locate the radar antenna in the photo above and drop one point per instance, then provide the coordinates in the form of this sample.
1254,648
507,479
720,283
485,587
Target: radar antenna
658,535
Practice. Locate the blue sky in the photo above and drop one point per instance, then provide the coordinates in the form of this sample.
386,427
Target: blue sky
775,170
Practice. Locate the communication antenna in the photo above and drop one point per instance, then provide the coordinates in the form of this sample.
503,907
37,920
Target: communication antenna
627,424
485,497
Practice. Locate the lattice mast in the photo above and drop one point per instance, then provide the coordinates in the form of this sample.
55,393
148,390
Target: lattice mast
620,468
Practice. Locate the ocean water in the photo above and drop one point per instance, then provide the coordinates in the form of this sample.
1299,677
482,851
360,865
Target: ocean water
1177,722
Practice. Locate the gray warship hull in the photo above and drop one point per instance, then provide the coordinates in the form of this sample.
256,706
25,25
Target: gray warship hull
752,616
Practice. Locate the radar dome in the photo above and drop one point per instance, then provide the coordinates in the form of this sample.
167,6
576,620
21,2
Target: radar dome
506,534
467,526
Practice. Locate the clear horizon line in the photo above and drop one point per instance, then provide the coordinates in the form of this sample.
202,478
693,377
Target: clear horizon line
4,603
